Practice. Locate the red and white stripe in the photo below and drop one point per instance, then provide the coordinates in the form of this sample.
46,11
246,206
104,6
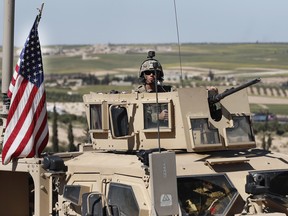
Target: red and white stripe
26,133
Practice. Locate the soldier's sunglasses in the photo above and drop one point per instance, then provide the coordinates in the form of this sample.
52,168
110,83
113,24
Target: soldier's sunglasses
149,72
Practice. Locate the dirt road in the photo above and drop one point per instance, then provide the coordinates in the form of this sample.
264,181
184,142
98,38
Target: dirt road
267,100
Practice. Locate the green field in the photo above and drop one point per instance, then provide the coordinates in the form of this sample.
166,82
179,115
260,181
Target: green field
211,56
279,109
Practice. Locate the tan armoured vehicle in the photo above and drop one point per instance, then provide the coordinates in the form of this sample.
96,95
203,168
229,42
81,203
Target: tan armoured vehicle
200,160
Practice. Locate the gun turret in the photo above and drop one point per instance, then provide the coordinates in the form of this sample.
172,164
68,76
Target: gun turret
214,98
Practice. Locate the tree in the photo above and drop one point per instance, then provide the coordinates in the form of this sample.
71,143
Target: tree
211,75
105,80
87,135
269,141
71,146
55,142
264,142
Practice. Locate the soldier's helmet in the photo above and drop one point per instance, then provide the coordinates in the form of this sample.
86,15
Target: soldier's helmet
151,64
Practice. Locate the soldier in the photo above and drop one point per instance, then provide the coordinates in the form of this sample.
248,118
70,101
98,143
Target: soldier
147,76
151,75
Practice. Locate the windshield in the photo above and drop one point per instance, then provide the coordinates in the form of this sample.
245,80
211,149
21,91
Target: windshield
205,195
241,130
154,114
95,116
203,132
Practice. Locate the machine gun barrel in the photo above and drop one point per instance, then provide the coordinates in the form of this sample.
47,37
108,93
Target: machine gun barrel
216,98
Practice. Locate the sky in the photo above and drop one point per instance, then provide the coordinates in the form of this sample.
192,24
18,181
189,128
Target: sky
150,21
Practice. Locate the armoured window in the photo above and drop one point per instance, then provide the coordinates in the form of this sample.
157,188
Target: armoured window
122,196
205,195
153,113
119,121
95,117
203,132
241,130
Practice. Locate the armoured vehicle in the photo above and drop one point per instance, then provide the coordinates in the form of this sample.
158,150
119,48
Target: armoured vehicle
201,160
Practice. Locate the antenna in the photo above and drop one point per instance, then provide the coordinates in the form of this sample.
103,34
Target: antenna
179,49
157,103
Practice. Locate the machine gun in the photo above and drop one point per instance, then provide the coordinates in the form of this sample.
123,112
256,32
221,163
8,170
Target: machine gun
267,191
214,98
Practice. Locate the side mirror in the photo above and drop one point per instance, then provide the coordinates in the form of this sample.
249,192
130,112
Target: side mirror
92,204
95,204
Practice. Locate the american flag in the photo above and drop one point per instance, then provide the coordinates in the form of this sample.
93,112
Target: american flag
26,133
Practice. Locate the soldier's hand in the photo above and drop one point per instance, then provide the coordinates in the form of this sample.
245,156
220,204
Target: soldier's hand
163,115
212,88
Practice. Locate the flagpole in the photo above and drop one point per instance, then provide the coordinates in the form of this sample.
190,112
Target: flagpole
8,51
40,12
